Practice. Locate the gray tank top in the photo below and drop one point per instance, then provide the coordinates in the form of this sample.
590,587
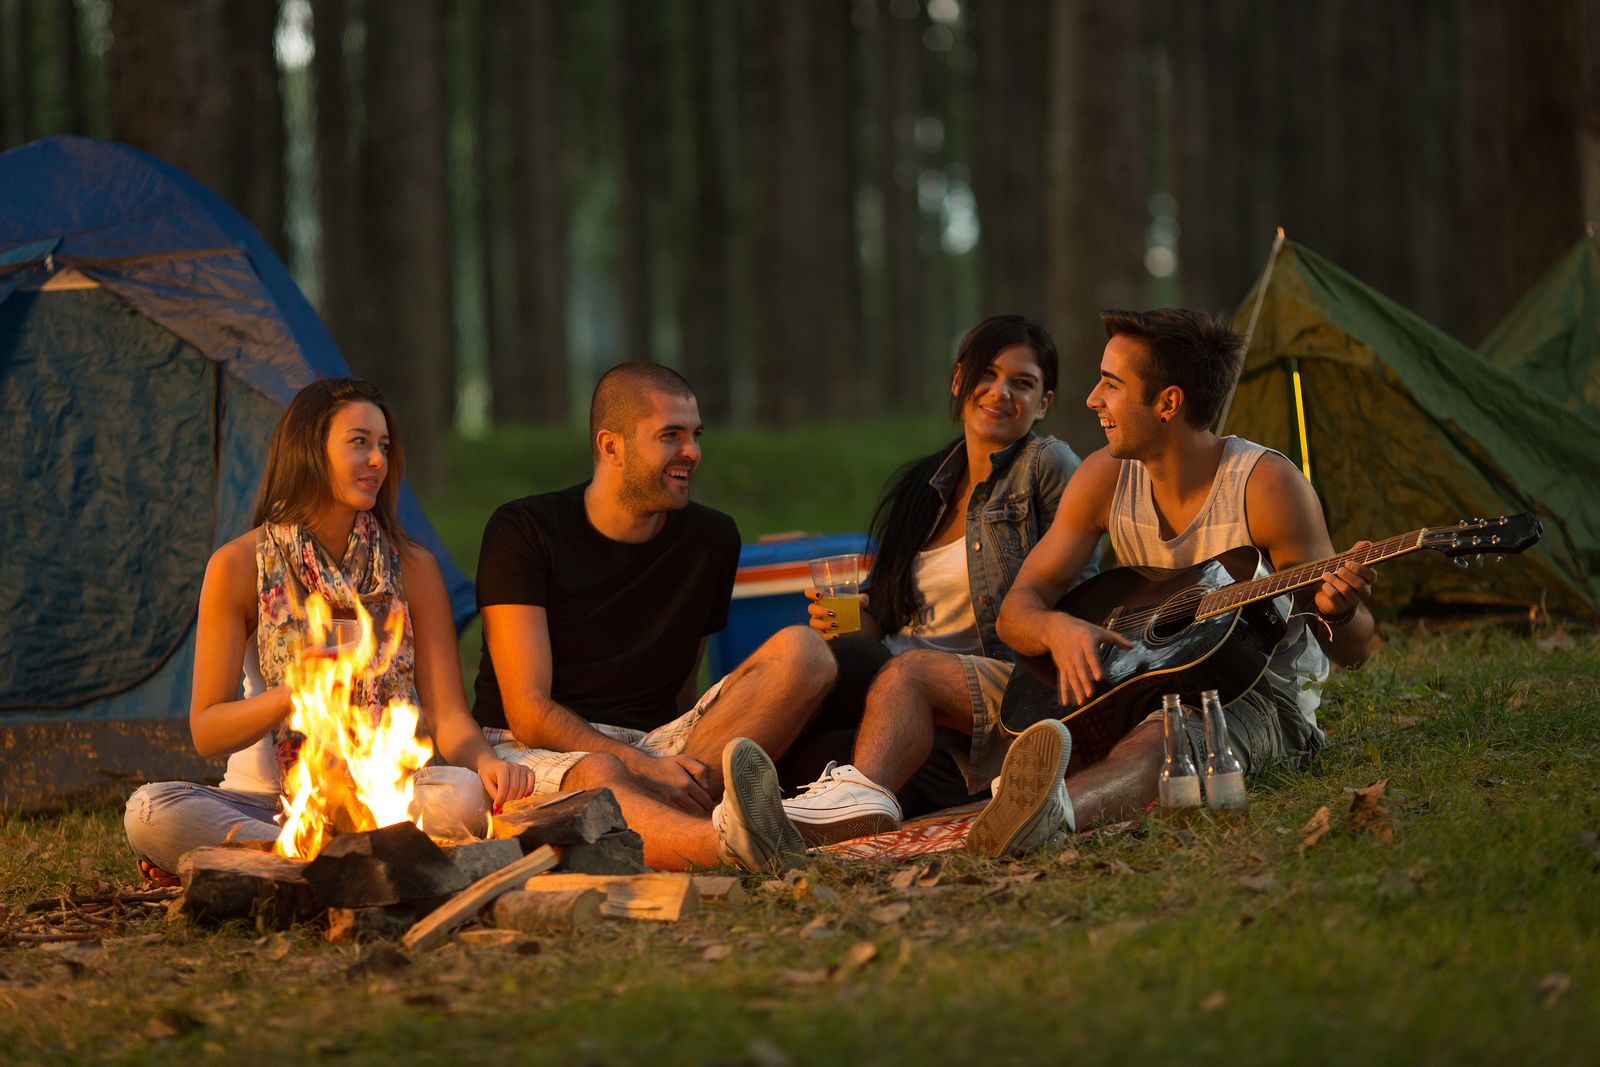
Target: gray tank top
1220,524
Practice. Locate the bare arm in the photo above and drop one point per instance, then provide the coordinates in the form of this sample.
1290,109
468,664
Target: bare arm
1028,621
1286,522
219,721
518,636
439,690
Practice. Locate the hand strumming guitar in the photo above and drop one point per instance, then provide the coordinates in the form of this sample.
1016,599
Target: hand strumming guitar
1074,645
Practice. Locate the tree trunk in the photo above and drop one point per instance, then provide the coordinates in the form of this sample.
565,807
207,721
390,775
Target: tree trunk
1009,179
346,299
158,67
898,96
71,115
704,312
407,239
536,381
835,317
13,80
1589,111
1096,201
250,142
639,75
499,207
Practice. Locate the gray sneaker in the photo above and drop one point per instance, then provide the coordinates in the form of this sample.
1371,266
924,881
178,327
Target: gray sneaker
1030,802
752,830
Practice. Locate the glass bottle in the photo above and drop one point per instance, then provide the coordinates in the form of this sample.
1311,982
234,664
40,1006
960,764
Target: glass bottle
1180,782
1224,773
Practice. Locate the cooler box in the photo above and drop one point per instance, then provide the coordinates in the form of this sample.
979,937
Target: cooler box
768,593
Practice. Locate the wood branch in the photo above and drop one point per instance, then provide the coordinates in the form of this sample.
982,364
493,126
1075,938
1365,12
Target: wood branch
41,938
532,913
578,818
719,890
619,852
662,897
433,929
476,859
228,883
346,925
374,868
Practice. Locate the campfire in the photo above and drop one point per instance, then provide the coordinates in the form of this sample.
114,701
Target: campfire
354,768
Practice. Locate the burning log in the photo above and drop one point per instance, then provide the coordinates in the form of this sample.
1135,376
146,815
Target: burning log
619,852
394,865
230,883
534,913
477,859
662,897
466,905
578,818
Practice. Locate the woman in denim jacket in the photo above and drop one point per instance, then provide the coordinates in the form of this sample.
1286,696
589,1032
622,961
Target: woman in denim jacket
952,533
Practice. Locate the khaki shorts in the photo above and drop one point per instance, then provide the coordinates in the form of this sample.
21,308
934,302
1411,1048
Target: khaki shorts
549,768
980,756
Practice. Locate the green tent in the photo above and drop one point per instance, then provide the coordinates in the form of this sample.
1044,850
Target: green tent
1551,340
1405,427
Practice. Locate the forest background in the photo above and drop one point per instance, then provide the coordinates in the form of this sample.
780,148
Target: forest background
803,204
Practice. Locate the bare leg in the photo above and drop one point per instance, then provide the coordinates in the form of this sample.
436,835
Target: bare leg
915,692
1123,784
769,699
673,840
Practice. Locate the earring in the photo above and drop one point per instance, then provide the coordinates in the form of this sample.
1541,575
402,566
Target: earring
1163,418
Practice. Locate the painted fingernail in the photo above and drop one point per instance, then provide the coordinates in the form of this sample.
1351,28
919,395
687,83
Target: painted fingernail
830,614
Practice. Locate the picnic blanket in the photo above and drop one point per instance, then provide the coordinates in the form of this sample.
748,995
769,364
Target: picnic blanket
942,831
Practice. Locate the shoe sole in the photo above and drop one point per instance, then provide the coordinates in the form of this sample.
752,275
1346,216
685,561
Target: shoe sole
1035,762
751,781
868,825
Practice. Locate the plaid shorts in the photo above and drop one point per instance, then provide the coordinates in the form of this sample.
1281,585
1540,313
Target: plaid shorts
549,768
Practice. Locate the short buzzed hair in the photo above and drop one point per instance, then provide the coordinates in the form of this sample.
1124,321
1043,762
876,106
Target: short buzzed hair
1196,351
622,397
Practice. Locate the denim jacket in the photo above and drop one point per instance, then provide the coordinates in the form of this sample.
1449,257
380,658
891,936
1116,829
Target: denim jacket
1008,512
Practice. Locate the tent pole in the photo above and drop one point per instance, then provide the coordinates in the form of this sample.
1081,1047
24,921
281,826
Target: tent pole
1250,330
1300,415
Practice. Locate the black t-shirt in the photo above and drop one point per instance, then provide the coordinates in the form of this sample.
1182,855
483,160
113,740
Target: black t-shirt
625,619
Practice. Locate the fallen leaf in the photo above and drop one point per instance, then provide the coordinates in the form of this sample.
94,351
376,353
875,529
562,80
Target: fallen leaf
930,877
904,877
1259,883
1068,855
800,886
890,913
171,1023
1551,987
816,977
1314,828
1496,781
1118,867
1214,1002
1367,811
969,879
716,953
824,894
1515,702
1176,900
861,953
280,948
821,926
1558,639
772,885
763,1053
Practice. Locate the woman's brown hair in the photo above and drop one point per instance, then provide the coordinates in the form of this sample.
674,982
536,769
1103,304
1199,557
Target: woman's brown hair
294,486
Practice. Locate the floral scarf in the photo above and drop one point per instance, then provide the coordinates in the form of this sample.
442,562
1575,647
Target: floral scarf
291,564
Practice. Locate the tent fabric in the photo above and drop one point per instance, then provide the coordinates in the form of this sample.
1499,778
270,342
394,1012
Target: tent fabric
1551,340
1408,428
193,277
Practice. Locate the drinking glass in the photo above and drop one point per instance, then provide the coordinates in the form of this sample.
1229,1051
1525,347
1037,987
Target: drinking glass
838,581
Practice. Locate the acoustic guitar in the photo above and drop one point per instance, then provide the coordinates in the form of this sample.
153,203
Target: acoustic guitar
1210,626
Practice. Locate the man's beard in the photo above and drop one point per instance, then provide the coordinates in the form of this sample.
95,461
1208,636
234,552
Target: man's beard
642,491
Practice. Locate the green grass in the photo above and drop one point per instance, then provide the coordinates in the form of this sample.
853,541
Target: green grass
1427,948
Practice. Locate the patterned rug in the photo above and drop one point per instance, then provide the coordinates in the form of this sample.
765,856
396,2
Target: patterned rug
942,831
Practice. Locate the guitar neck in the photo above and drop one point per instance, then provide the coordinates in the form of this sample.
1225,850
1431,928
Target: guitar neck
1268,586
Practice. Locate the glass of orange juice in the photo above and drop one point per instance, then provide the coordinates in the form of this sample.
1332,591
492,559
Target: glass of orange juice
838,581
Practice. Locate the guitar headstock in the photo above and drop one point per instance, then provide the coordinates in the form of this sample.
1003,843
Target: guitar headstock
1502,536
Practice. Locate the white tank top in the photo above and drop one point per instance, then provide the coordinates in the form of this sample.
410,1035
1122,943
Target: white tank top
253,769
945,620
1220,524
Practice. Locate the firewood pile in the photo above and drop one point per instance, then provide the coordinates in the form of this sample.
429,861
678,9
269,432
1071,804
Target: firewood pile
82,917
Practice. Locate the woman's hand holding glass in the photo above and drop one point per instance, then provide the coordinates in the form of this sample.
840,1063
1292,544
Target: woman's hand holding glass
825,617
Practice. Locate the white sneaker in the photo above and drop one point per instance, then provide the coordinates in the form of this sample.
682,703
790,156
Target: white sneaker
842,804
1030,804
752,830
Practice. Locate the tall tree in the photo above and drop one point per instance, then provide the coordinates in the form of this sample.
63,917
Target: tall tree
1095,207
158,71
347,307
639,72
835,314
498,205
407,239
249,142
896,100
531,383
13,76
1009,178
704,313
1589,114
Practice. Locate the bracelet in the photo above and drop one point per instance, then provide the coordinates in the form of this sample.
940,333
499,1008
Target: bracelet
1337,620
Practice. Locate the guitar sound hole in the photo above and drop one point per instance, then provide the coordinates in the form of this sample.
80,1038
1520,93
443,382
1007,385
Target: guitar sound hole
1173,618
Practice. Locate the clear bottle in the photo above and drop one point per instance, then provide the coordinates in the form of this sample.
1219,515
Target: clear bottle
1180,782
1224,772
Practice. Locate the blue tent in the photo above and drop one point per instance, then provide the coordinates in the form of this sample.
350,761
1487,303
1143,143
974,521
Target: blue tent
149,340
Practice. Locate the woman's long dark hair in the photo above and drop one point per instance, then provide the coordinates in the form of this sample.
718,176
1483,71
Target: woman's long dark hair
910,507
294,485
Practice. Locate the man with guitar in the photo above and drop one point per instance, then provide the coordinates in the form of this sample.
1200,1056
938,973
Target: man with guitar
1173,494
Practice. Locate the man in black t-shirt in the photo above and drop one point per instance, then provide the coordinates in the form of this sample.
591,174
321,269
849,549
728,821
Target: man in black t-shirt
597,601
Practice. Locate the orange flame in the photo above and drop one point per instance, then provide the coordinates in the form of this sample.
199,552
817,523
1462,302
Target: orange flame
355,767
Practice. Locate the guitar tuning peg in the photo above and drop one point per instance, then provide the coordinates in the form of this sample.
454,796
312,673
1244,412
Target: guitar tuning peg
1480,560
1461,561
1499,559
